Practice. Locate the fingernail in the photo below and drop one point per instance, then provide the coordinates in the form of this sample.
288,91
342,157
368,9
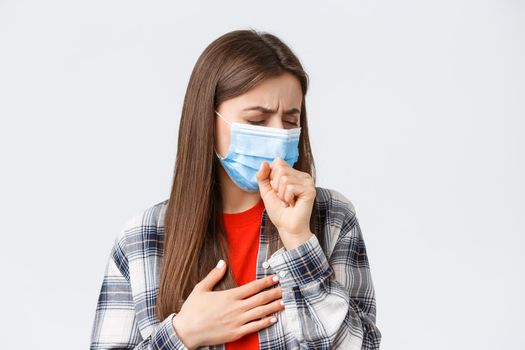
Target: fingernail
283,204
275,278
273,319
220,264
281,302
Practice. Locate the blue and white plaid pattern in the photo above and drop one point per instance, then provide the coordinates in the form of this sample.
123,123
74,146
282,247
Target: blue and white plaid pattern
328,291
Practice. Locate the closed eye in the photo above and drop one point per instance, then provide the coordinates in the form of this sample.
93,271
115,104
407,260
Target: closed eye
260,122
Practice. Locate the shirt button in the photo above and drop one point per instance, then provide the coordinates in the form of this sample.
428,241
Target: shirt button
282,273
265,264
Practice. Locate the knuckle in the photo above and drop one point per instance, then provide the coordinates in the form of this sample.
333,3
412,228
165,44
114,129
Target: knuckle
260,312
263,298
262,322
260,298
266,297
270,296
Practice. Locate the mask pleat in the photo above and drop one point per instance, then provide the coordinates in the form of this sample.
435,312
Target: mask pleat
251,145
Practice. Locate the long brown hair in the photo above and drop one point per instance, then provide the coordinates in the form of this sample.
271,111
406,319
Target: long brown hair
194,237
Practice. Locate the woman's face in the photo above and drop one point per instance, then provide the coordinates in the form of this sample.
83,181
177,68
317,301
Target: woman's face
274,102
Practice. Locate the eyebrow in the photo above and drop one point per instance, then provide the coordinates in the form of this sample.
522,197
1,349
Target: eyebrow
267,110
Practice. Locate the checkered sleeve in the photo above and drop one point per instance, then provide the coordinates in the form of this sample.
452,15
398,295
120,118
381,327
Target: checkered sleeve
115,323
330,301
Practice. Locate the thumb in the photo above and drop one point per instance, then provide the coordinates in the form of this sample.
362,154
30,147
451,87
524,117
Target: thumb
263,178
213,277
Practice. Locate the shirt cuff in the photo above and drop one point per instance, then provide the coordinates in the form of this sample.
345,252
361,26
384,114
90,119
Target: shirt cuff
166,338
304,264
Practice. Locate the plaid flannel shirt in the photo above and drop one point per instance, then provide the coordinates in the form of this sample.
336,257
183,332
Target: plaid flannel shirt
328,291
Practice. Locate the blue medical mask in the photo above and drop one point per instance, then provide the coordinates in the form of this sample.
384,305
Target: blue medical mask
251,145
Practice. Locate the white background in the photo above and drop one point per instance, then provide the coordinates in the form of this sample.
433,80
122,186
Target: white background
416,113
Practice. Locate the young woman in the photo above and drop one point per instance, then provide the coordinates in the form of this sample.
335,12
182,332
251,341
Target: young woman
247,252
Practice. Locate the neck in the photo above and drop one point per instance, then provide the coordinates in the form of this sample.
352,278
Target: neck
235,200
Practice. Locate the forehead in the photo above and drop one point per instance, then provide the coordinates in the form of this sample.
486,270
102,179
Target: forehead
281,92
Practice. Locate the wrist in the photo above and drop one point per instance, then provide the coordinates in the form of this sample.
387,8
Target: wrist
186,338
292,241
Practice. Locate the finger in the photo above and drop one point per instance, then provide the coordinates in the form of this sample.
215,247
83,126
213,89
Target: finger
263,311
284,182
256,326
279,168
291,186
290,192
279,161
263,179
268,195
255,286
212,278
262,298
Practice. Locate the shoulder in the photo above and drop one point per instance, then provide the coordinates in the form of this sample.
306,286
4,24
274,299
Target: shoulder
334,202
337,213
142,232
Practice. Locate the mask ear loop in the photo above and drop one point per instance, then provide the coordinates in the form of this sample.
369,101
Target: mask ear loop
223,118
217,153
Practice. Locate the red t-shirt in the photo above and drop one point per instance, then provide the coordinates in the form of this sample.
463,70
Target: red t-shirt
242,230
